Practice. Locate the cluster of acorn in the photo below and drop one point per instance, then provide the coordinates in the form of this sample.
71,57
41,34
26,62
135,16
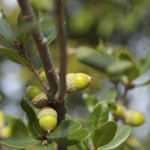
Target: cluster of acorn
47,115
128,116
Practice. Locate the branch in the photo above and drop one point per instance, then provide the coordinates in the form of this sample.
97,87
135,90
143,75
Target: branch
63,51
41,44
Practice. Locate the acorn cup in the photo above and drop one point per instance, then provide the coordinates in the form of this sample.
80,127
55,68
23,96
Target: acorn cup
134,118
77,82
47,119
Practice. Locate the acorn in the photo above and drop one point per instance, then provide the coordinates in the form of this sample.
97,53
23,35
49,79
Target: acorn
77,82
32,91
40,100
119,112
134,118
47,119
43,76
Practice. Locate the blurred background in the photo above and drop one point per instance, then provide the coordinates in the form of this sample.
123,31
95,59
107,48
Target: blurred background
119,24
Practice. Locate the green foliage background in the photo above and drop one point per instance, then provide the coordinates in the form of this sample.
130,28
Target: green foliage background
122,25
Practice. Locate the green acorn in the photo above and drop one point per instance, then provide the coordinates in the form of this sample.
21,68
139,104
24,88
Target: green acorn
47,118
77,82
32,91
40,100
134,118
43,76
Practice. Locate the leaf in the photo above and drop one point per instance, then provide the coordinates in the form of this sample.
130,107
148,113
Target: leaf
22,30
146,65
20,142
90,100
33,121
104,134
13,56
145,83
82,145
5,29
37,62
99,116
75,138
110,95
103,62
122,134
15,123
66,128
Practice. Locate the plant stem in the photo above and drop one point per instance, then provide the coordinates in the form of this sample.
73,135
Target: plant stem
41,44
63,52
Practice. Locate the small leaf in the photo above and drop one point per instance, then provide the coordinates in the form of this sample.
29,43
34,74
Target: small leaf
83,145
33,121
13,56
122,134
20,142
66,128
5,29
75,138
99,116
37,62
110,95
104,134
90,100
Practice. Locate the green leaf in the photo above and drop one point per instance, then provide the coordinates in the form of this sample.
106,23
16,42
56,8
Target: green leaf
15,123
90,100
110,95
75,138
99,116
13,56
104,134
103,62
66,128
37,62
33,120
22,30
122,134
83,145
20,142
146,65
5,29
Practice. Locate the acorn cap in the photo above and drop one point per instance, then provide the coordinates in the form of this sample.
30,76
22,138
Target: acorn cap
71,87
47,111
40,100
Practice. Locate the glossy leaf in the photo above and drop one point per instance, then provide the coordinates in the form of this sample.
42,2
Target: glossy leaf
5,29
110,95
20,142
104,134
33,120
90,100
103,62
122,134
74,138
66,128
82,145
99,116
13,56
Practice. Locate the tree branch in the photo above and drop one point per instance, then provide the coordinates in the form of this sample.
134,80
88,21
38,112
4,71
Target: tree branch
63,52
41,44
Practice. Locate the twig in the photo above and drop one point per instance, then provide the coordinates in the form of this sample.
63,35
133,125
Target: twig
41,44
63,51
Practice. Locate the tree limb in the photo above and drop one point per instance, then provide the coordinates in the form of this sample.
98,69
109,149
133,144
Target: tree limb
41,44
63,52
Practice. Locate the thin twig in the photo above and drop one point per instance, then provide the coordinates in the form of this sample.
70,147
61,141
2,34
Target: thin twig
63,50
41,44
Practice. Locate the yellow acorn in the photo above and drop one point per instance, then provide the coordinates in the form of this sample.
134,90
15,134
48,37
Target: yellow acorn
32,91
47,118
134,118
119,112
43,76
77,82
40,100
